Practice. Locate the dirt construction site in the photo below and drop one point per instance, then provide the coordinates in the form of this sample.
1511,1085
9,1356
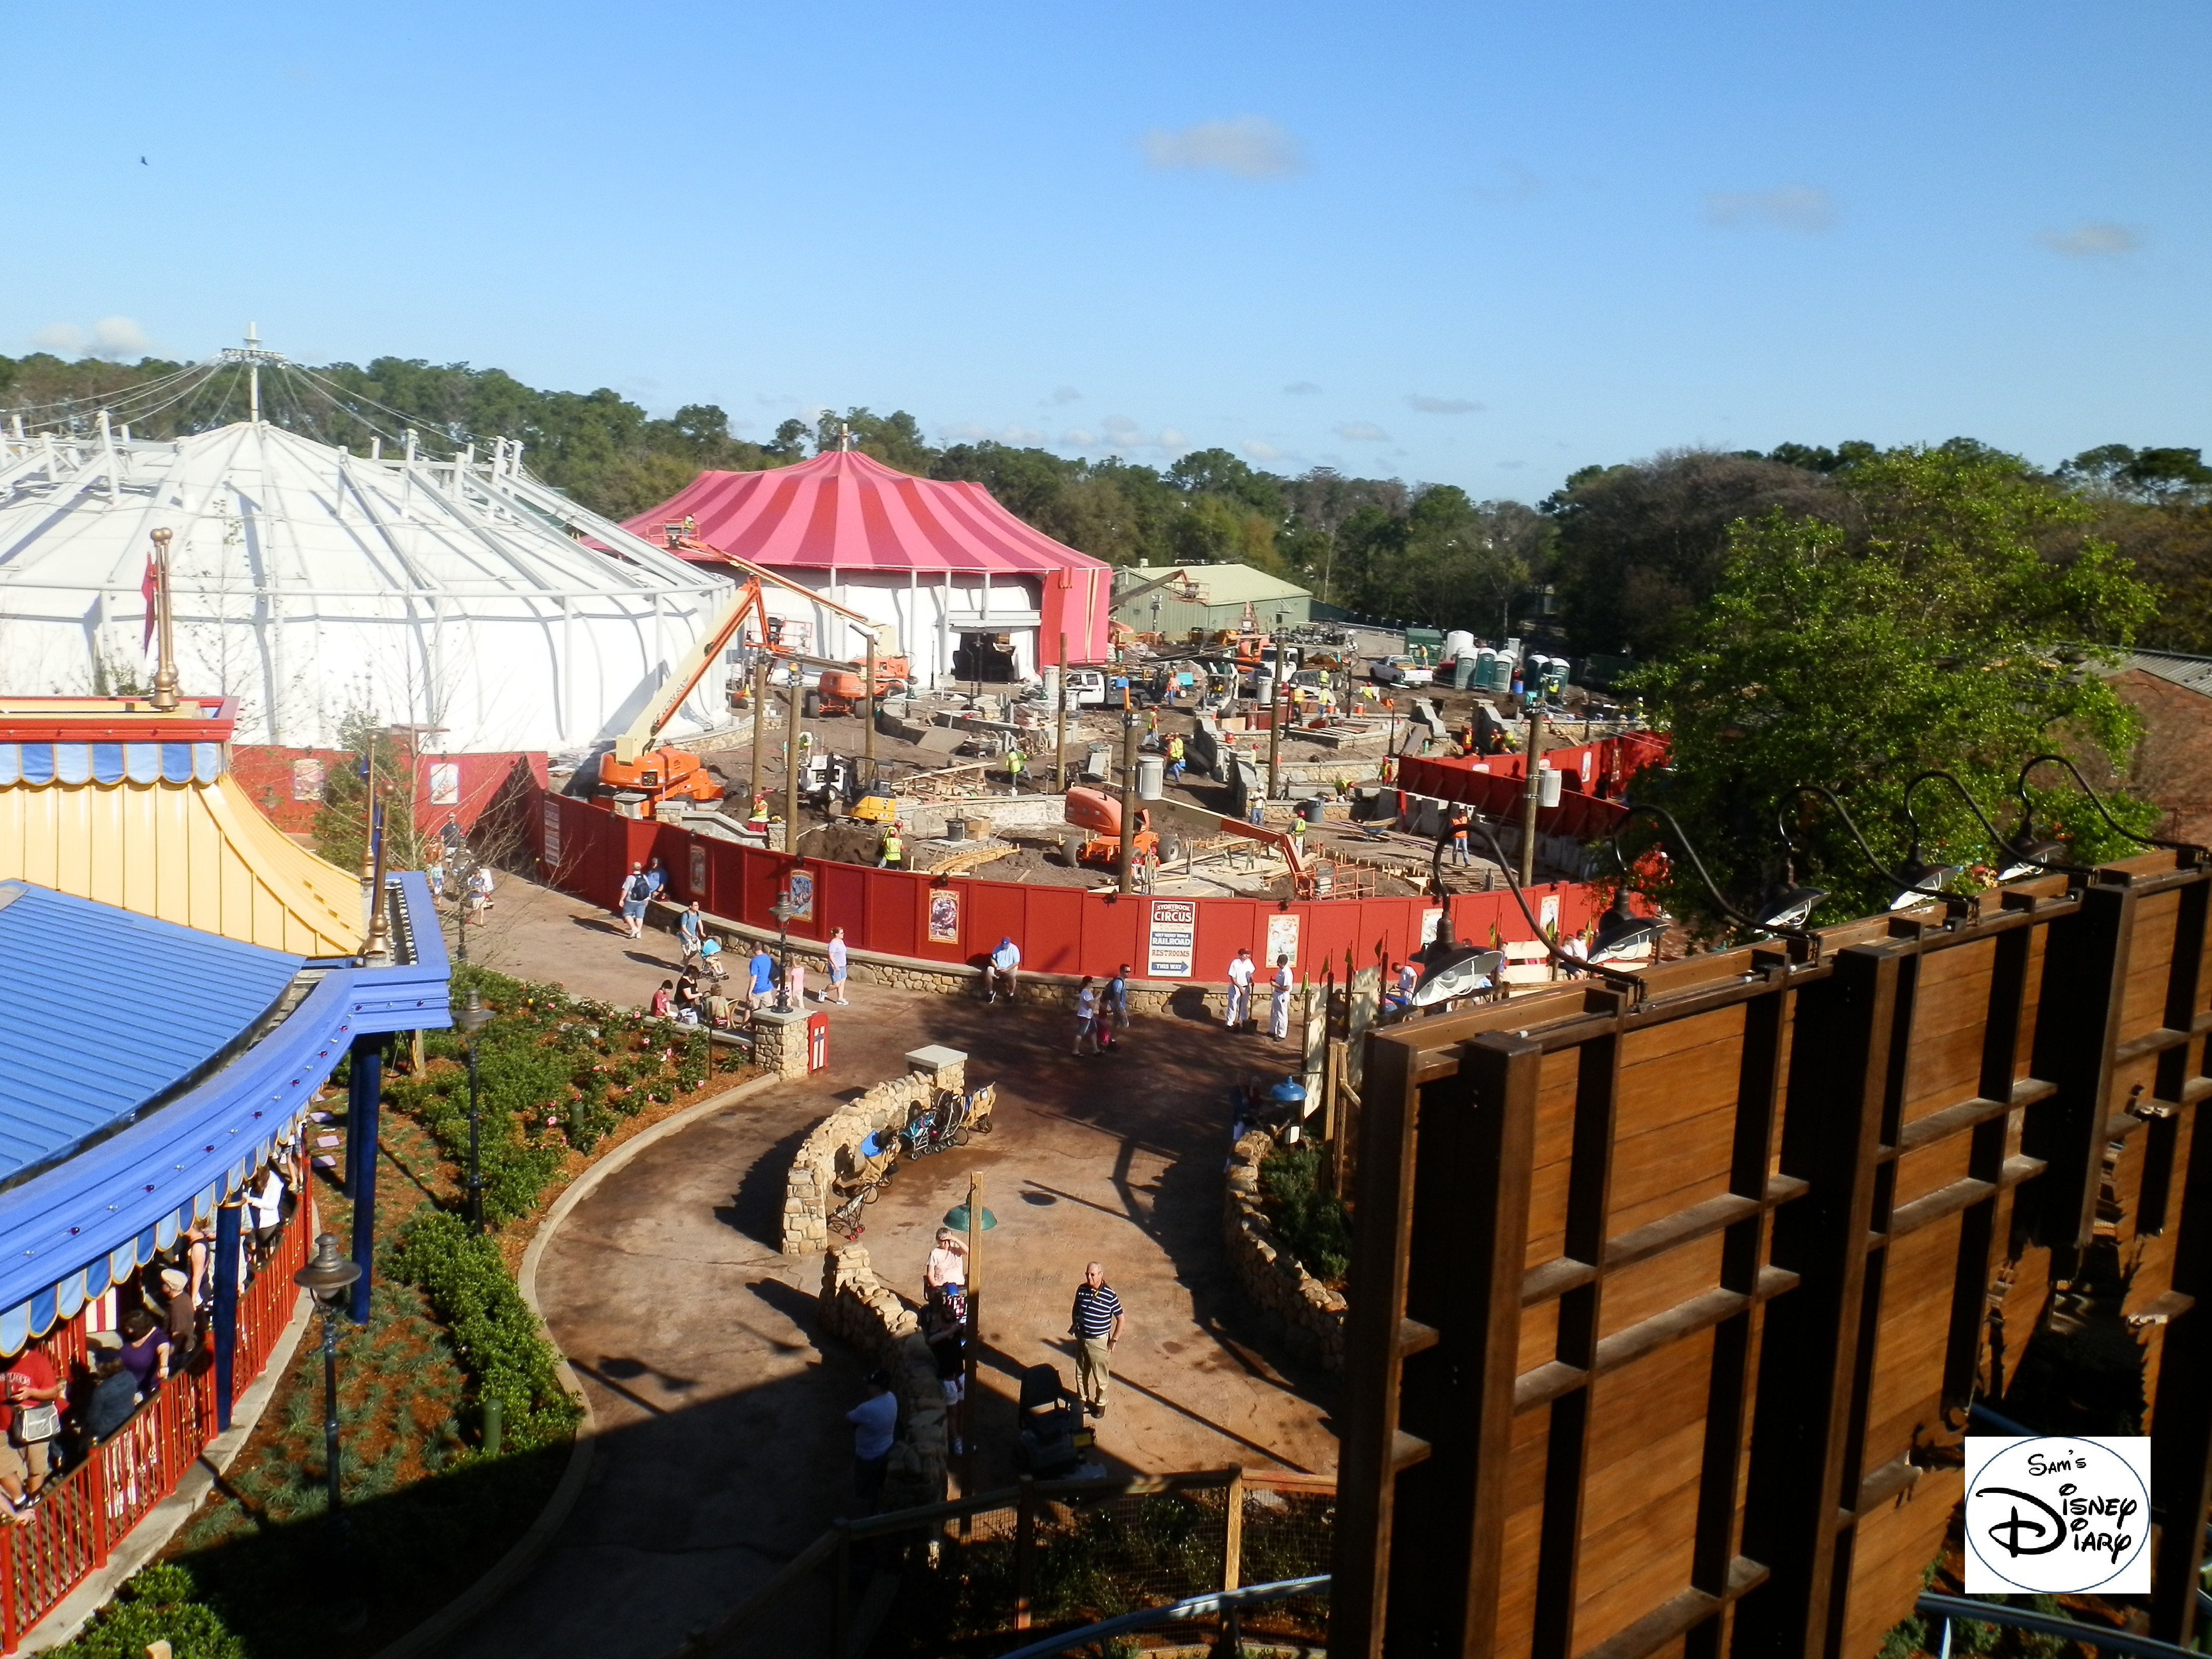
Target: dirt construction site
968,779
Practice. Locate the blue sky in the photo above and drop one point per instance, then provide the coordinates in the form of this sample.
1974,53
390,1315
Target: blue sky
1468,243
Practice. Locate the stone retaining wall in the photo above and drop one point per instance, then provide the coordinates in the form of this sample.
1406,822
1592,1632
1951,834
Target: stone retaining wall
821,1156
855,1306
1290,1301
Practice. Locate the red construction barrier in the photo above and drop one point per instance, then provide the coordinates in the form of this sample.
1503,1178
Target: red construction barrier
588,851
1593,777
286,784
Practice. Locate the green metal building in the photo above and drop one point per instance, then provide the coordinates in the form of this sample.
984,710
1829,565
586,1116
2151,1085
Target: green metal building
1224,592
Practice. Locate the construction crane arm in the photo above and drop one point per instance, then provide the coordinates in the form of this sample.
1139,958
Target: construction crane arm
885,634
1287,845
688,669
1188,590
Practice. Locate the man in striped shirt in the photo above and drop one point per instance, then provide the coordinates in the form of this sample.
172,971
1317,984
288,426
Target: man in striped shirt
1096,1326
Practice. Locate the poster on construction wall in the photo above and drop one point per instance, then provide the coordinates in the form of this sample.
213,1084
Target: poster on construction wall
1282,939
1171,939
698,888
944,915
552,821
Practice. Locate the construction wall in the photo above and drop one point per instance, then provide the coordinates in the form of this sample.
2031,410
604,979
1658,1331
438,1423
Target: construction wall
586,850
1665,1314
286,784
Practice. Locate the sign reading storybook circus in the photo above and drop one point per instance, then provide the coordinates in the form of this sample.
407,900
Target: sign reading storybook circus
1171,939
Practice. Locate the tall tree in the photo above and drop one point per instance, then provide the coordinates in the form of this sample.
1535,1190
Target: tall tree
1642,546
1920,627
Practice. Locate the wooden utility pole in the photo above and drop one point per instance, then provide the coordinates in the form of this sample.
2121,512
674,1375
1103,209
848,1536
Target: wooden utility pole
1275,733
1060,737
791,762
760,726
1531,795
1125,859
868,713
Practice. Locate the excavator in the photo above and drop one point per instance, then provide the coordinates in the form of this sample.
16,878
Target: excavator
663,772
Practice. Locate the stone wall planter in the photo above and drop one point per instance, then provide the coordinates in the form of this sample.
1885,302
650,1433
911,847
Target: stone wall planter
1290,1301
857,1307
829,1147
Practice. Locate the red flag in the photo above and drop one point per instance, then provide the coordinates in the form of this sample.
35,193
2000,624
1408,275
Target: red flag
150,587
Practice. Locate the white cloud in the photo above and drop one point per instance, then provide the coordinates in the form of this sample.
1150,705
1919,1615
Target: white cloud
1248,147
119,336
1786,207
1441,405
2092,238
969,432
1363,432
1119,432
1257,451
111,337
1303,389
1066,394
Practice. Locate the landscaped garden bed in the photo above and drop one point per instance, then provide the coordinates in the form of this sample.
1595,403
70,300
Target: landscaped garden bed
430,1505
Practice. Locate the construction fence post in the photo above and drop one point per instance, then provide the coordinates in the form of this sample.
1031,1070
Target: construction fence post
1232,1543
1024,1548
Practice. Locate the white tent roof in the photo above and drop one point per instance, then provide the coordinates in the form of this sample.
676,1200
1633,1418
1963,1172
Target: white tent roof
309,583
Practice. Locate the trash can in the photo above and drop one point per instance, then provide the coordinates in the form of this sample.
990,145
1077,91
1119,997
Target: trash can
1151,776
1310,809
818,1043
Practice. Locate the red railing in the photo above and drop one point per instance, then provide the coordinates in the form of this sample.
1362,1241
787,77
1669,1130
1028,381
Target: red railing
81,1516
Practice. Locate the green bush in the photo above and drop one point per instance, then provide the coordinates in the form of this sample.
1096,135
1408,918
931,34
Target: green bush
1312,1222
495,1335
159,1604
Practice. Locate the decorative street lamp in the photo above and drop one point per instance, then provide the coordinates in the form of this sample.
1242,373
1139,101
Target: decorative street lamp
471,1019
327,1277
784,911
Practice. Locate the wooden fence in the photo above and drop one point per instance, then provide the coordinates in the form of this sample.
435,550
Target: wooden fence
1666,1315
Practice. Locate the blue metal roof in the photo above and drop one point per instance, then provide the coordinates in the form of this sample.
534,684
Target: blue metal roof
103,1010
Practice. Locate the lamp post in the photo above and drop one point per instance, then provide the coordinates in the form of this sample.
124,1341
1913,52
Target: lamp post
974,1220
783,910
471,1019
327,1277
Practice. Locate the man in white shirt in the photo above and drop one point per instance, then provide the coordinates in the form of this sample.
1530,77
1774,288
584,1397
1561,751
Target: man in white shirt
1279,1007
1005,968
1240,989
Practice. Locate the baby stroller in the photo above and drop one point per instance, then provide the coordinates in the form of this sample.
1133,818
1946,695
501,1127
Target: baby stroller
706,957
1053,1440
864,1171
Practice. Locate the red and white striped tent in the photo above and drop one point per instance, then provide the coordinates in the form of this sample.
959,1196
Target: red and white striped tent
942,561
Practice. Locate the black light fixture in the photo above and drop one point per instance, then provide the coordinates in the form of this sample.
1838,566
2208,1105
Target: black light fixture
1623,930
1784,910
2028,855
327,1277
1461,971
1438,951
2189,850
472,1019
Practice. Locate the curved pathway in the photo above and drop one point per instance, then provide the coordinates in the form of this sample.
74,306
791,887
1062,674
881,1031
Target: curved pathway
722,1446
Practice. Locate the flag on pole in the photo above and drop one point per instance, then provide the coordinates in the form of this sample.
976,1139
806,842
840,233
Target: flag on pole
150,587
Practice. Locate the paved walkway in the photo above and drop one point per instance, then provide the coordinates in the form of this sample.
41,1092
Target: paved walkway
723,1447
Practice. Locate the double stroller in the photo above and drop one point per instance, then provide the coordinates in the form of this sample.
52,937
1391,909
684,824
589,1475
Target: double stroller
1054,1445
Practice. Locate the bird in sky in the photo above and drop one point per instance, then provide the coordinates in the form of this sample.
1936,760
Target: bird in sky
143,163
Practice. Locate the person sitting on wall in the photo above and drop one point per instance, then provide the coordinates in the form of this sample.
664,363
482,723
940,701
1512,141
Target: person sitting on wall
1001,973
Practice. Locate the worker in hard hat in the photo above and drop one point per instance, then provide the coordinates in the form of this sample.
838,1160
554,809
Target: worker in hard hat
894,851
